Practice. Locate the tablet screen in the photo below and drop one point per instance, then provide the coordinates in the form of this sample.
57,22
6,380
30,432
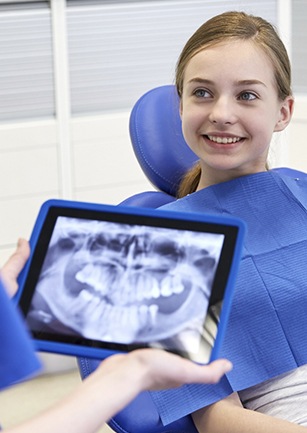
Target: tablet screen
123,281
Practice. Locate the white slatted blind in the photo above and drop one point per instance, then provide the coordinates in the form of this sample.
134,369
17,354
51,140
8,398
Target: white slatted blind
299,45
120,49
26,64
117,50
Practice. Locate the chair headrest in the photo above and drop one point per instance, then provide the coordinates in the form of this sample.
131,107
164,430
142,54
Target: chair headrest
157,140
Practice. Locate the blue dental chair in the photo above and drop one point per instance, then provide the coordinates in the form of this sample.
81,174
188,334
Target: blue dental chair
158,143
154,119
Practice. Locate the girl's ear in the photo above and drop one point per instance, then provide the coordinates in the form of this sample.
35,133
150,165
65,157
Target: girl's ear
180,108
286,111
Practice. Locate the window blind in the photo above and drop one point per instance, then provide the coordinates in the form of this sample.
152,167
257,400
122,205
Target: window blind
26,64
120,49
299,46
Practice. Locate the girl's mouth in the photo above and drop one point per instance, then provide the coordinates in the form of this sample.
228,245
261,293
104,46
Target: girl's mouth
223,140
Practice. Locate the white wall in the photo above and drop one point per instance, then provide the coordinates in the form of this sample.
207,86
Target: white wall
104,169
297,149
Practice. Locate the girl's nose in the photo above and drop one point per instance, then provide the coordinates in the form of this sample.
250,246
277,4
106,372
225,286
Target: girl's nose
223,112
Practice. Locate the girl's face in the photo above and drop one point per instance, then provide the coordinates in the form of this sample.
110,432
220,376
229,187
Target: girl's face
230,109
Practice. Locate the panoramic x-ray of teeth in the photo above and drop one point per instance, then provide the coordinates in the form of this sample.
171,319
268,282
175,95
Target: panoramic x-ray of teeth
126,283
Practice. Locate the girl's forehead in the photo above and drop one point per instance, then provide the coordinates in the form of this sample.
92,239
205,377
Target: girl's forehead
243,60
240,46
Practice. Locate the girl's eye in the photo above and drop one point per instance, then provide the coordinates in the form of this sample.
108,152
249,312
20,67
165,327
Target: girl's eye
247,96
201,93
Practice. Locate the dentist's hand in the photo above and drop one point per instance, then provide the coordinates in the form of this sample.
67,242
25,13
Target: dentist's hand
13,266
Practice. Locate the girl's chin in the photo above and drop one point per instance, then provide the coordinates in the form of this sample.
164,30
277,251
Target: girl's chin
222,166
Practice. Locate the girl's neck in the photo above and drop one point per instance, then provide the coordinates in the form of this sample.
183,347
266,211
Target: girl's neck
211,177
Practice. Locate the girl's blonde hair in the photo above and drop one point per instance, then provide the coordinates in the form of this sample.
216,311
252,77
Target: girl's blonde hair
236,26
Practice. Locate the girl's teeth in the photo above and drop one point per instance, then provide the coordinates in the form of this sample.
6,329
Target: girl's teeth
224,140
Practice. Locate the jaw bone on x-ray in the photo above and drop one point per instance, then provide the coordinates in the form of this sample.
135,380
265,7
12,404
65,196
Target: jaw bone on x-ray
125,283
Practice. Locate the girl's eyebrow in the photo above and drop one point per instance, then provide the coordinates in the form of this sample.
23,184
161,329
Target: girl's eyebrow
200,81
250,82
205,81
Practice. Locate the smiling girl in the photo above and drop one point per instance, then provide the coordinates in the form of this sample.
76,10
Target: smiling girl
230,109
234,83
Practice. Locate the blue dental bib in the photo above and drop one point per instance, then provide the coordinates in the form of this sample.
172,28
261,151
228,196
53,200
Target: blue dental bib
266,334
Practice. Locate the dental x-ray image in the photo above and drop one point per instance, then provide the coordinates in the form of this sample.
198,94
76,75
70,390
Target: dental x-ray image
125,283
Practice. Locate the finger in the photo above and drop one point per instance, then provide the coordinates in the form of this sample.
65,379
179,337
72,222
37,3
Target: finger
216,370
179,371
12,268
211,373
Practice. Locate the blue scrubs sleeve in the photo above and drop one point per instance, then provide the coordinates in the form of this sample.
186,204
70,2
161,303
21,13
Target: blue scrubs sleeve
17,356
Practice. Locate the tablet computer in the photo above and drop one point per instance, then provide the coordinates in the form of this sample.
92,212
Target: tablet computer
103,279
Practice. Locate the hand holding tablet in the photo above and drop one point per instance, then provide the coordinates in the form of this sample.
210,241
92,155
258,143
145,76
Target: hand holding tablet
103,279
